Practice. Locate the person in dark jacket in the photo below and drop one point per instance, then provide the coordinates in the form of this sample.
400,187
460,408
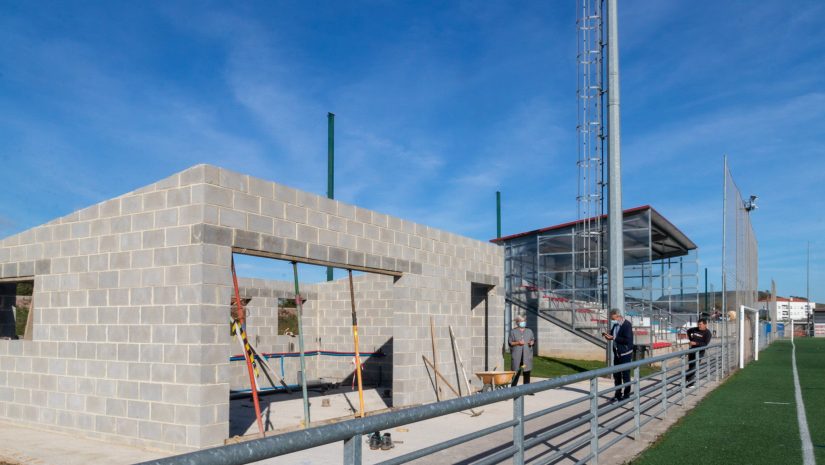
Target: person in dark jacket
699,336
622,336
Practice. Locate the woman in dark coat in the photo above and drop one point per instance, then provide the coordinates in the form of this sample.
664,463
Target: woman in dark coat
521,349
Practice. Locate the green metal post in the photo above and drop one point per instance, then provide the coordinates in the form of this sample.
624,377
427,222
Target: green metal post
330,167
299,305
498,214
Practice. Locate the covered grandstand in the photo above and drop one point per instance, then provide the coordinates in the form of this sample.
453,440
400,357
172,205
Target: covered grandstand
566,302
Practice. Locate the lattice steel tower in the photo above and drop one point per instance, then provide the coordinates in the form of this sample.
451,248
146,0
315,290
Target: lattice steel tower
589,261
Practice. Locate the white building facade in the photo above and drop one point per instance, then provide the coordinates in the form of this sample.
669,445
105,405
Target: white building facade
795,308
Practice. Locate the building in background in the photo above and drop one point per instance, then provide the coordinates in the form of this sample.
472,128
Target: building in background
795,308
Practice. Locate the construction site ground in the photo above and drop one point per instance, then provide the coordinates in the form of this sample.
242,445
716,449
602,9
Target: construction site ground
24,445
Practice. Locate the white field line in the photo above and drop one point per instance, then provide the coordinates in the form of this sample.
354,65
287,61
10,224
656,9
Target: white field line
807,446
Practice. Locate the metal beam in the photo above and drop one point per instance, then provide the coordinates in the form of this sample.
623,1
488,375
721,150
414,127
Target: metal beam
312,261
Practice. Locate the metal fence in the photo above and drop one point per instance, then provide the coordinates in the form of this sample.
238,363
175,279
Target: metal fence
740,249
598,425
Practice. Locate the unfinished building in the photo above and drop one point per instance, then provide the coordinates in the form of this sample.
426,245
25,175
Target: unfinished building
565,303
129,337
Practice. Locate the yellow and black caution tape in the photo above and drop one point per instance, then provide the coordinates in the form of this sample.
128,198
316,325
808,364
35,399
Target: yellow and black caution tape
238,330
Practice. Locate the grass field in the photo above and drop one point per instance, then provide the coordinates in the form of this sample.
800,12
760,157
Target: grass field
751,419
549,367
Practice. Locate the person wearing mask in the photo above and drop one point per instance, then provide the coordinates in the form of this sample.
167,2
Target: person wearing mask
622,336
699,336
521,349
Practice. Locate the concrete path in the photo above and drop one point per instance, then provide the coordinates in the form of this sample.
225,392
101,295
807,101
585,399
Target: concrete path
20,445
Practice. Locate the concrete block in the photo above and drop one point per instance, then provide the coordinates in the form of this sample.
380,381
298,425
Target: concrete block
231,218
210,234
273,208
153,238
318,252
193,175
126,427
118,296
247,239
164,373
234,180
140,334
166,257
296,248
178,197
273,244
260,188
296,214
247,203
285,229
191,214
150,430
142,258
140,222
307,233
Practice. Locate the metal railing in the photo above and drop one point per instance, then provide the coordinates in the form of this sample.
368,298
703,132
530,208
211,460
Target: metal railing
595,428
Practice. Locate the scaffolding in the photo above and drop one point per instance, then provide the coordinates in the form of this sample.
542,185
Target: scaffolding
589,233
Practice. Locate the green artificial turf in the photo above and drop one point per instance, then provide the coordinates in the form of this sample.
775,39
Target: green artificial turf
810,364
751,418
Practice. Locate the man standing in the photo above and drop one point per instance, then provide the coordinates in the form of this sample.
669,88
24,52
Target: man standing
622,336
699,336
521,349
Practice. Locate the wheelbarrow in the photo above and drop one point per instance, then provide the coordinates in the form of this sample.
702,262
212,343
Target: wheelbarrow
495,379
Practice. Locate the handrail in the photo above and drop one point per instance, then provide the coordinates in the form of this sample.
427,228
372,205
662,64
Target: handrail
351,431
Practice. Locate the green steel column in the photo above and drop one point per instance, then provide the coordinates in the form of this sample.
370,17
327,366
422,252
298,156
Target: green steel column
498,214
299,304
330,167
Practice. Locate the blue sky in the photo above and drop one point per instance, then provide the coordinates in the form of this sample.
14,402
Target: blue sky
438,105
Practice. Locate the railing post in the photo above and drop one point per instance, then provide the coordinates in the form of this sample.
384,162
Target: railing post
722,355
637,401
594,420
518,430
682,381
352,450
664,389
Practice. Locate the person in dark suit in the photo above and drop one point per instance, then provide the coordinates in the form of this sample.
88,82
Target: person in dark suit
699,336
622,336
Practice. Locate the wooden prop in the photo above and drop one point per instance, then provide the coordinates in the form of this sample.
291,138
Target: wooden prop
355,339
439,375
435,359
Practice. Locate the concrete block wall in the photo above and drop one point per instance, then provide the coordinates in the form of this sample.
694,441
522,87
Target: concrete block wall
264,218
131,295
128,342
374,307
